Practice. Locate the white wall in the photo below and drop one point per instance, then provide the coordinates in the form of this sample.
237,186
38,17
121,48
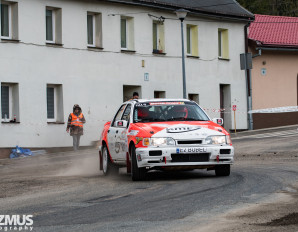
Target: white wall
95,79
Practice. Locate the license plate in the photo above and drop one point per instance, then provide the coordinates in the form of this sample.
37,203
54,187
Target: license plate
191,150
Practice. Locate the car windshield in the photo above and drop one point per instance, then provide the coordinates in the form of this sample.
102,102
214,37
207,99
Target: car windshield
168,111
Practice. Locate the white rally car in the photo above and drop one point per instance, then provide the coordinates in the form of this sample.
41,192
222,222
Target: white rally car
164,134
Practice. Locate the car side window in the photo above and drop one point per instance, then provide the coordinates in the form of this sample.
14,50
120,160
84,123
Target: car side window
126,113
118,115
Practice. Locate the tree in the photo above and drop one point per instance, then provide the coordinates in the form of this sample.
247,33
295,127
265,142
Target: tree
271,7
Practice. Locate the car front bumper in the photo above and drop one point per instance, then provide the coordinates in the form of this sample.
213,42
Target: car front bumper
204,156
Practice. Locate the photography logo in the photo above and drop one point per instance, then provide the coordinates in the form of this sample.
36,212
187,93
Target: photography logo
16,223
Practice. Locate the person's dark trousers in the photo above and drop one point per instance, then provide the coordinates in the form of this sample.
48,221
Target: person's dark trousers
76,142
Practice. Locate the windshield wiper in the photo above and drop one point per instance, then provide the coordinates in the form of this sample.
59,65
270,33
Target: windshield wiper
158,120
176,119
145,120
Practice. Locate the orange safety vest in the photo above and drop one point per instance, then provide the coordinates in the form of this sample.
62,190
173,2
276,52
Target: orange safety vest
75,120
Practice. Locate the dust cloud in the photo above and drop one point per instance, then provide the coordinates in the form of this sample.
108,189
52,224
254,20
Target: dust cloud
84,164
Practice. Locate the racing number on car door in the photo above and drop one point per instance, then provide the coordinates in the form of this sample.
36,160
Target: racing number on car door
113,131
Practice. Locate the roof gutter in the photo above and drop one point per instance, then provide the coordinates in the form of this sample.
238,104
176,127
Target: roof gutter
172,9
277,49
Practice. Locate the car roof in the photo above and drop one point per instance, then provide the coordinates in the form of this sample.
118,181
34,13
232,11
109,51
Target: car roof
158,100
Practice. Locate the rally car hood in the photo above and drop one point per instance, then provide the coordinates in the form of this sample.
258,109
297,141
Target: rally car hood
180,130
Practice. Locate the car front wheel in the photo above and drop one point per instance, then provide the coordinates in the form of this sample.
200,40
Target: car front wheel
136,172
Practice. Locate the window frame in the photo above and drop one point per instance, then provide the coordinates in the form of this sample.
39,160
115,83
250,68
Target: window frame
160,37
192,40
93,30
189,37
55,104
122,117
118,111
223,44
10,102
220,44
157,35
126,33
53,25
9,21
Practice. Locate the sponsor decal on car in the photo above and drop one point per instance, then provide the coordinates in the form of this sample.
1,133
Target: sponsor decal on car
166,103
139,139
179,129
133,132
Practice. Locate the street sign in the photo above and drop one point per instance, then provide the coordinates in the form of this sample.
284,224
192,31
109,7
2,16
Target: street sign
146,76
234,107
246,61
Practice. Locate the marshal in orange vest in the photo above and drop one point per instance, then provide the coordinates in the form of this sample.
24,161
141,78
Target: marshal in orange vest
76,120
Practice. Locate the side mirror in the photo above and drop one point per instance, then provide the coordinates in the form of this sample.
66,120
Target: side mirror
218,121
121,123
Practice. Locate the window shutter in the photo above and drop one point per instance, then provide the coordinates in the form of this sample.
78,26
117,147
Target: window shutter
50,103
5,101
194,41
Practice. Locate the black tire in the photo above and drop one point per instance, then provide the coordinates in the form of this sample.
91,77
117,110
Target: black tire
137,173
108,168
223,170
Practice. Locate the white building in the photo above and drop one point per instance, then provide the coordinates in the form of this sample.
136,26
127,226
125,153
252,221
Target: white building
57,53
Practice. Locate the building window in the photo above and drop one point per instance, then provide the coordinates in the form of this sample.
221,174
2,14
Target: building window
193,97
9,101
53,25
94,29
54,103
159,94
127,33
223,43
158,37
9,20
192,40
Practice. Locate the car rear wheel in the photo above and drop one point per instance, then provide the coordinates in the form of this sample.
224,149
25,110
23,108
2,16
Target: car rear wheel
136,172
107,166
223,170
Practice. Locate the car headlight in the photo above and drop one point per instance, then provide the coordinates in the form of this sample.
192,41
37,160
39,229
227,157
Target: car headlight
217,139
156,142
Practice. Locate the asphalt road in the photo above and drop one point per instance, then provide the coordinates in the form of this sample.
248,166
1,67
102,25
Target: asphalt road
66,192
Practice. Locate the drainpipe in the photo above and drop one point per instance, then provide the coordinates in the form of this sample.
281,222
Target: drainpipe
0,14
248,83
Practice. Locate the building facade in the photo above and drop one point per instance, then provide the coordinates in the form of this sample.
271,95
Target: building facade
54,54
274,43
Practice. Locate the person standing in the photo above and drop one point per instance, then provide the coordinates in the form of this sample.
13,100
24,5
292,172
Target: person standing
135,95
75,124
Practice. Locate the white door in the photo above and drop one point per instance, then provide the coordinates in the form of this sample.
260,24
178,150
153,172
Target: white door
112,133
121,146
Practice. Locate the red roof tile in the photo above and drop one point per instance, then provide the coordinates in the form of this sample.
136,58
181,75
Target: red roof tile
277,31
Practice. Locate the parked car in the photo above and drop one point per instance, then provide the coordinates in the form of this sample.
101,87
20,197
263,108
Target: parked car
164,134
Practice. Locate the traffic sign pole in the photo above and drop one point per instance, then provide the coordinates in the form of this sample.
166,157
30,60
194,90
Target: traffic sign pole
234,109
